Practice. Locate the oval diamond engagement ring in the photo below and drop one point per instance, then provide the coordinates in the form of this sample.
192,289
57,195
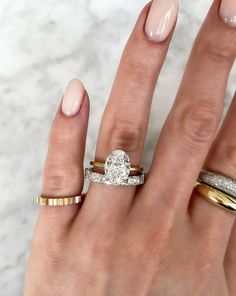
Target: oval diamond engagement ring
117,171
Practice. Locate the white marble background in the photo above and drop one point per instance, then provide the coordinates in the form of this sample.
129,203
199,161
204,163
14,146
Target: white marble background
43,44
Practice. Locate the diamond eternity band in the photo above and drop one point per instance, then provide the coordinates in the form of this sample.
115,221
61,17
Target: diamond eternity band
217,181
103,179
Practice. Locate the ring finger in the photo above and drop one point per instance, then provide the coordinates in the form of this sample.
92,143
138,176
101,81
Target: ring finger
126,117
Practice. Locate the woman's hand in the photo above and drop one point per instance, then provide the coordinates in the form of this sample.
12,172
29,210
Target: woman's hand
159,238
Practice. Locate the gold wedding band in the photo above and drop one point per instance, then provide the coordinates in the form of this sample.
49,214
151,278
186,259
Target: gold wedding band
101,165
216,197
61,201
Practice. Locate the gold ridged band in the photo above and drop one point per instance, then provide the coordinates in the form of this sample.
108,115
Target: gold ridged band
61,201
216,197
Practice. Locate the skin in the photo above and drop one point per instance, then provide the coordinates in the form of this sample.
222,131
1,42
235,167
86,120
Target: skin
162,238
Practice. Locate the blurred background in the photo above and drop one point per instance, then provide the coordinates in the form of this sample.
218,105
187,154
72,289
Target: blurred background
43,44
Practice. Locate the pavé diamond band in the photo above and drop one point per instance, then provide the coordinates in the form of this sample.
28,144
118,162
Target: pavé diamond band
103,179
117,170
219,182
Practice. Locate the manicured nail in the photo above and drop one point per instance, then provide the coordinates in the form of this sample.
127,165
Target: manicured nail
161,19
73,97
228,12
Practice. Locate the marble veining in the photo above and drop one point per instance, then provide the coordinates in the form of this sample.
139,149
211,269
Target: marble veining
43,45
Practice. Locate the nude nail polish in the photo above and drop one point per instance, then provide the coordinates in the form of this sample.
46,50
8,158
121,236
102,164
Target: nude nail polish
228,12
161,19
73,97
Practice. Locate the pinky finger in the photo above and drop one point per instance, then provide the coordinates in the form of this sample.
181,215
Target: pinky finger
63,172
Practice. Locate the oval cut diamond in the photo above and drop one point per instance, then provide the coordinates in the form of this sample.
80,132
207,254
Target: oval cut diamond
117,167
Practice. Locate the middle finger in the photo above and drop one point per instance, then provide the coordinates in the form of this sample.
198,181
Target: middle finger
194,119
221,159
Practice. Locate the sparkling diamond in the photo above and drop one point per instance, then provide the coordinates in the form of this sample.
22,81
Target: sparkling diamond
117,167
219,182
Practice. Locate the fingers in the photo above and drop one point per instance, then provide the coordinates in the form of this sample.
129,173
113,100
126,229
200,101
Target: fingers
195,116
221,159
126,116
63,172
222,156
230,261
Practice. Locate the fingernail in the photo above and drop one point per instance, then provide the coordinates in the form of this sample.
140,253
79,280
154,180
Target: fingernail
228,12
161,19
73,97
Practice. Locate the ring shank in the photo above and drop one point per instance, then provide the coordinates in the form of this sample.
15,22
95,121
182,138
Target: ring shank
216,197
102,166
61,201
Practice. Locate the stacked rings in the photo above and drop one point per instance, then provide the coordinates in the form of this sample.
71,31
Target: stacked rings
101,165
218,189
220,182
116,171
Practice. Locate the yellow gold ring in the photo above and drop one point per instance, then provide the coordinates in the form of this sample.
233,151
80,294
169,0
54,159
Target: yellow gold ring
61,201
116,171
216,197
101,165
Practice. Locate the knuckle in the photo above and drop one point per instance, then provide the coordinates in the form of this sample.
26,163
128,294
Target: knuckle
228,153
214,50
206,262
198,124
223,152
58,138
138,69
156,239
138,73
204,269
54,254
55,258
60,179
102,247
126,136
231,155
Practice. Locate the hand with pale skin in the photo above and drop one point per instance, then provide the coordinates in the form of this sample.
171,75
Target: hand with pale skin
161,238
